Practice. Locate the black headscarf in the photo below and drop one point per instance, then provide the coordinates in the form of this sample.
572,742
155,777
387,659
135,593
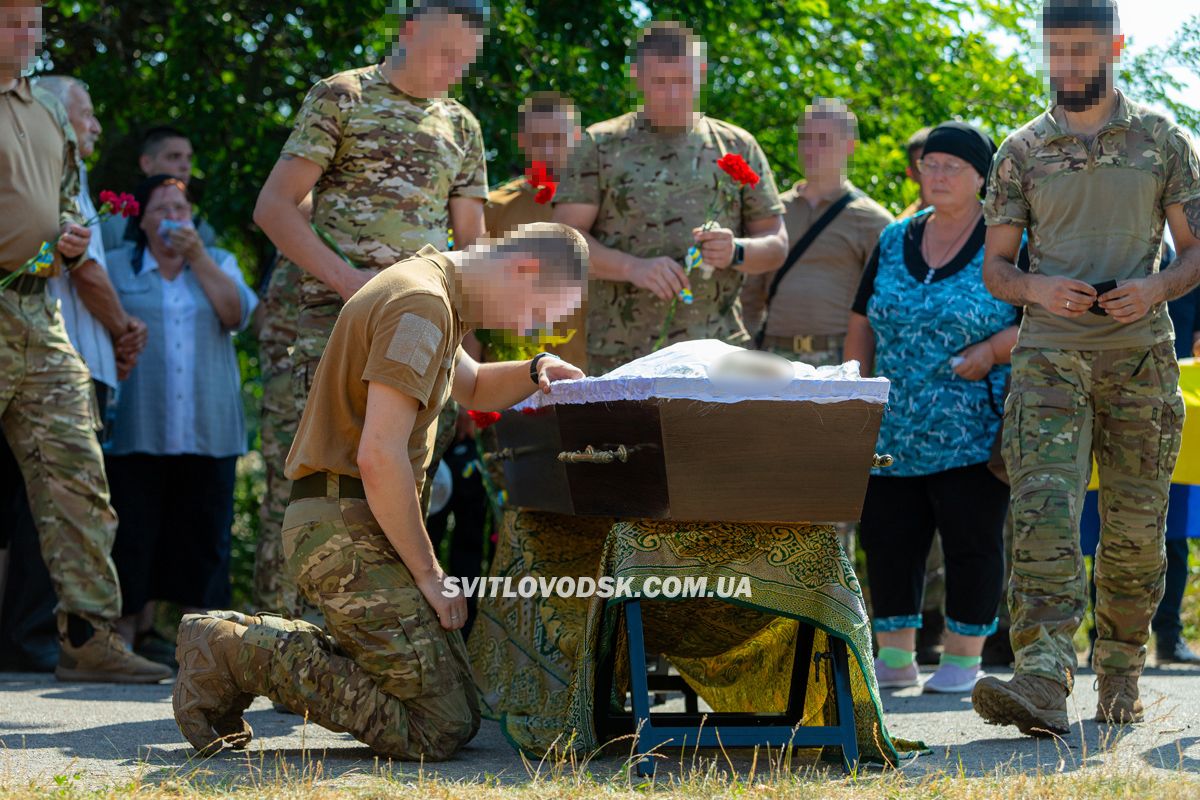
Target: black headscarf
964,141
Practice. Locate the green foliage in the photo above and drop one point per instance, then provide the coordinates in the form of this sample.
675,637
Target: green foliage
232,74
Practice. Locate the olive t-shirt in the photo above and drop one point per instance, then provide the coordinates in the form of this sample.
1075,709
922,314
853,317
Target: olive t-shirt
402,329
1095,212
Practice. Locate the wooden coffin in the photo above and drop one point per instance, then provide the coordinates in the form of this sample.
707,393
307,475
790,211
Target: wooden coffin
755,460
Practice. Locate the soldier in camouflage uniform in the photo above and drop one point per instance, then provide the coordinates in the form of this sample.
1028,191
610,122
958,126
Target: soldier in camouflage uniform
273,588
639,187
391,165
48,412
1085,383
393,669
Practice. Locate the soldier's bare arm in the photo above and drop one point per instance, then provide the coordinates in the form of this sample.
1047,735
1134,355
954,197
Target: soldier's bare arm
503,384
663,276
279,213
1062,296
391,491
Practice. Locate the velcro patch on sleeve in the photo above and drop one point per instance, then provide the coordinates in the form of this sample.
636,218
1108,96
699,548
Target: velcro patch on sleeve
415,342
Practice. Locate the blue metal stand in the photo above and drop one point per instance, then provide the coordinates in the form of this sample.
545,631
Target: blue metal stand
735,729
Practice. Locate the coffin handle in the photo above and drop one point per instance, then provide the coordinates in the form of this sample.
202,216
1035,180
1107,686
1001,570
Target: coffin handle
590,455
882,461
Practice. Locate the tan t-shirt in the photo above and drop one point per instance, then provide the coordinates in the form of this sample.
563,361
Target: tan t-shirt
38,175
815,295
402,329
1095,212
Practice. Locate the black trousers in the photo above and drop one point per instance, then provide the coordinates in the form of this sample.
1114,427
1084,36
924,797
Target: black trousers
900,514
175,528
468,503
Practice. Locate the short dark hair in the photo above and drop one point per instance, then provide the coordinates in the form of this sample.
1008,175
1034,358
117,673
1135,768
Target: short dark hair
1100,15
153,138
543,103
666,39
561,251
474,12
916,143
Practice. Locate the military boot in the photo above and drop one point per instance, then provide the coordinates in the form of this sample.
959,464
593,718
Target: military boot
98,654
1036,705
1119,702
219,677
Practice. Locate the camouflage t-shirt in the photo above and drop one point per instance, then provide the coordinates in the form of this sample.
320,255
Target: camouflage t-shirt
1095,211
391,162
652,187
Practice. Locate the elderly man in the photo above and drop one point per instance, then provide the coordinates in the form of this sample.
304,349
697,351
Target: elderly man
638,188
47,410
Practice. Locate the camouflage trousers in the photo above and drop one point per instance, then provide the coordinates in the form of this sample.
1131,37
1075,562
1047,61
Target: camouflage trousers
49,417
386,671
273,588
1125,407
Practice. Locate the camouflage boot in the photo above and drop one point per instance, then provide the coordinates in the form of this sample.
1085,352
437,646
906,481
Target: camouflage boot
213,687
102,658
1036,705
1119,702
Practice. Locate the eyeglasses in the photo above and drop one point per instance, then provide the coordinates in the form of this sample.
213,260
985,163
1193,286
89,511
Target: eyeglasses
948,169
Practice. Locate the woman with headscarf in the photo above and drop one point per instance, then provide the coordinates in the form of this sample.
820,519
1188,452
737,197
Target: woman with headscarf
178,427
924,319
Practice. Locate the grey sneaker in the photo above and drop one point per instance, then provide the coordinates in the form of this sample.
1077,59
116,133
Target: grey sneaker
951,679
902,678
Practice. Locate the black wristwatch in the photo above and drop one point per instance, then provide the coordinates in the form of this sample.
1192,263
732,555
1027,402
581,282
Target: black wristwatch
533,366
739,254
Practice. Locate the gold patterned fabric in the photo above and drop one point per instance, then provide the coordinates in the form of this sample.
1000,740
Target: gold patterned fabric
737,655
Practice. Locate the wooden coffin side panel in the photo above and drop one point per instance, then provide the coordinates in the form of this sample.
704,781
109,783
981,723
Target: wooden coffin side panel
769,461
534,476
634,488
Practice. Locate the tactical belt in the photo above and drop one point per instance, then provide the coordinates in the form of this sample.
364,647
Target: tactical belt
317,485
805,344
27,284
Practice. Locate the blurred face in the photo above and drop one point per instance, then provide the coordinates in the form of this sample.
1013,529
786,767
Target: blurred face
516,301
438,48
1080,62
948,181
549,138
165,202
825,145
173,157
669,87
83,120
20,35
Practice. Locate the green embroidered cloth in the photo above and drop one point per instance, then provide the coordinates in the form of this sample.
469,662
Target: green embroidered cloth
535,659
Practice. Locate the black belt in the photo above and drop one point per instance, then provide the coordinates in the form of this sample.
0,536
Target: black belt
27,284
317,485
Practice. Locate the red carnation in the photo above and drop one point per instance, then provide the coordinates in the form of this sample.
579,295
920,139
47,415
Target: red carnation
108,198
484,419
539,178
736,167
129,206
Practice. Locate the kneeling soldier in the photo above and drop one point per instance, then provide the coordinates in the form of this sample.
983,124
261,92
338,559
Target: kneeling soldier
392,668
